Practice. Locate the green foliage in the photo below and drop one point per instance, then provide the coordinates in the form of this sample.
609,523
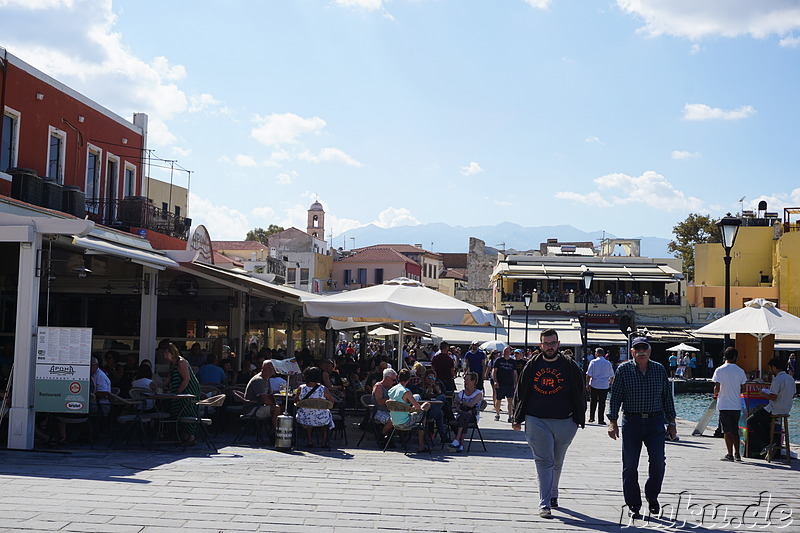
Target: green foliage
696,229
262,235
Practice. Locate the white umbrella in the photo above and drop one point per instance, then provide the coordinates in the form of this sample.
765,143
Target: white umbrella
759,318
399,300
490,346
682,347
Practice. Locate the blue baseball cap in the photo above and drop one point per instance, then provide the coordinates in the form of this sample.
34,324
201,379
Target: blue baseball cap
638,341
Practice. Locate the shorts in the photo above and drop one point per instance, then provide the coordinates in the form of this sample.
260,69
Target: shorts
382,416
729,420
505,391
413,420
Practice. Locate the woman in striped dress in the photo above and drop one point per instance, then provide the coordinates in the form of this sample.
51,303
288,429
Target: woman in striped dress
182,381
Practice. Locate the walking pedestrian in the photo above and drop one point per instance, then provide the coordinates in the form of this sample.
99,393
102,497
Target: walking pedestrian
475,359
642,390
599,377
550,400
729,380
504,374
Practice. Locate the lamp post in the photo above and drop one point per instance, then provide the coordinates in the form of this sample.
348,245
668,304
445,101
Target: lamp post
587,277
526,298
728,227
509,310
628,332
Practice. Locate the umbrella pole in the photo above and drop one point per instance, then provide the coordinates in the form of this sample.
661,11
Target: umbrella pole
400,348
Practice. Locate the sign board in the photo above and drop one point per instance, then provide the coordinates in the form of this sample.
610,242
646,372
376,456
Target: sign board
200,241
63,366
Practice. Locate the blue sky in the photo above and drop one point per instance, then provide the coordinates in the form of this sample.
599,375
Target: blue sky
623,116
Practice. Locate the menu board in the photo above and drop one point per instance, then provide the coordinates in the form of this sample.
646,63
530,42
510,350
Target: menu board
63,367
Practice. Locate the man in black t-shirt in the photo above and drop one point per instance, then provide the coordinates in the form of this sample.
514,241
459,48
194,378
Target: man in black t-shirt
550,400
504,374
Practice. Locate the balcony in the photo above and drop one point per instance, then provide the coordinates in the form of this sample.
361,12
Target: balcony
137,212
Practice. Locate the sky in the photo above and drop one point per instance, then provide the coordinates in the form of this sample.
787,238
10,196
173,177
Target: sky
618,115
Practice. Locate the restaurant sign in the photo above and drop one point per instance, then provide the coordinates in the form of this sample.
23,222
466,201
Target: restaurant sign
200,241
63,357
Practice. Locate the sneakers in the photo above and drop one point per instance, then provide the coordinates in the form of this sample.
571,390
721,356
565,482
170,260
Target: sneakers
728,457
591,420
634,513
454,444
737,458
554,503
509,419
497,417
544,512
653,506
460,449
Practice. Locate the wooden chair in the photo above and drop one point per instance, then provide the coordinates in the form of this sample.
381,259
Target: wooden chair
203,407
313,403
401,407
783,421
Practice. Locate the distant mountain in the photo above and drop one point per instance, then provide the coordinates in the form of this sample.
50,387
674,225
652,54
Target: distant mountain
441,237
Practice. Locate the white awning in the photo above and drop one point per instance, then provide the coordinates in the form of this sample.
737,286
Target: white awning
245,282
606,336
141,256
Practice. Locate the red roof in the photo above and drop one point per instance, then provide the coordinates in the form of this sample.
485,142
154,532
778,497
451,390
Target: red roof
377,255
402,248
220,259
238,245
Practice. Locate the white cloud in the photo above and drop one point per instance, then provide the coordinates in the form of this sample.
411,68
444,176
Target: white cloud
790,42
206,102
593,139
286,178
245,161
695,49
650,189
181,152
329,154
264,213
776,202
284,128
539,4
695,20
393,217
704,112
159,134
471,169
223,223
501,203
683,154
367,5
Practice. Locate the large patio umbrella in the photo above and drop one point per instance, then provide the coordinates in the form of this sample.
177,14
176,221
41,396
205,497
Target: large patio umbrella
683,347
400,300
759,318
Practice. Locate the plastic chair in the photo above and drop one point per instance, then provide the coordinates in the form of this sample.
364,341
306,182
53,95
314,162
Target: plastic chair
400,407
203,407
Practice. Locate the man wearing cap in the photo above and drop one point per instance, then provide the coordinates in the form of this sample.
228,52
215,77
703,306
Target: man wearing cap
504,375
642,390
476,362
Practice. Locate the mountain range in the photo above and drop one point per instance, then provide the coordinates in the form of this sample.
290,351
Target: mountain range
443,238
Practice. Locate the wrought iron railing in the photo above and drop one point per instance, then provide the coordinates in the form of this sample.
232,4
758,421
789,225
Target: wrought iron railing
137,212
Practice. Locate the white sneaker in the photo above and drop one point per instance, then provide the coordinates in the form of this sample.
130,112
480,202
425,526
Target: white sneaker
454,444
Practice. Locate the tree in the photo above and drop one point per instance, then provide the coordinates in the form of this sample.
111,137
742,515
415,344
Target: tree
262,235
696,229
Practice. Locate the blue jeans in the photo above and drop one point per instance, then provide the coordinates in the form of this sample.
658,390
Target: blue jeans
549,439
435,413
635,432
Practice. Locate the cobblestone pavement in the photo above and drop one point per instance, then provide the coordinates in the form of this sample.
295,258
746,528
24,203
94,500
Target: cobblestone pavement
363,489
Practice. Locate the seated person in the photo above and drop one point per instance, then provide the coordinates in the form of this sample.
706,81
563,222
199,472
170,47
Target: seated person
402,420
210,373
332,380
144,380
196,356
380,393
258,391
417,375
433,389
779,394
467,406
310,418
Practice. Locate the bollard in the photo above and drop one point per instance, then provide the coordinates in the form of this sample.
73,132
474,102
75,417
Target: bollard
284,428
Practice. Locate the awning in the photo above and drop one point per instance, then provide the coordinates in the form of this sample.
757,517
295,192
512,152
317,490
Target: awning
141,256
787,346
606,336
245,282
467,334
602,271
667,334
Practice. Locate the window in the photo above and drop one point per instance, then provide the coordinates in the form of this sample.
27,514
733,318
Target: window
709,301
9,144
303,275
177,210
92,188
362,276
112,187
378,276
55,155
129,182
291,275
347,278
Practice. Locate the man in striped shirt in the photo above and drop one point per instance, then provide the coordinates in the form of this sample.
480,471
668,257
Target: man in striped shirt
642,390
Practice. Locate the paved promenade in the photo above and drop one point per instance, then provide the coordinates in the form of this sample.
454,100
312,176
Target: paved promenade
360,490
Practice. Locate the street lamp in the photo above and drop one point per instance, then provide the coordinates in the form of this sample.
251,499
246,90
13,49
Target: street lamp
526,298
628,332
728,227
587,277
509,310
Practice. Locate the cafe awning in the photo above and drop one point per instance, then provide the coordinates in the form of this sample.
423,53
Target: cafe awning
244,282
647,272
606,336
140,255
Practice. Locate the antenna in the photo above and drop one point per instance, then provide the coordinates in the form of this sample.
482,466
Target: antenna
741,204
